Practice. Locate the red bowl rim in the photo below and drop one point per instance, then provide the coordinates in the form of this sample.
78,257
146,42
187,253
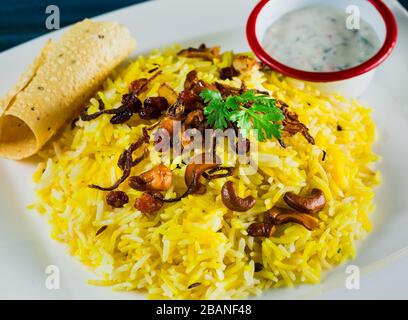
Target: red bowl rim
377,59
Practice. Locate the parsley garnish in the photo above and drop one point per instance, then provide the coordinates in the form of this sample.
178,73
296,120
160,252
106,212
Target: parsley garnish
248,110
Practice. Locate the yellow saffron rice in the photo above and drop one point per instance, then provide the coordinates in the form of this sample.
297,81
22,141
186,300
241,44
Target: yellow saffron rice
198,240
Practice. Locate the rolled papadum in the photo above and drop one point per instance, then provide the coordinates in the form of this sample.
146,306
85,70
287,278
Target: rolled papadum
56,85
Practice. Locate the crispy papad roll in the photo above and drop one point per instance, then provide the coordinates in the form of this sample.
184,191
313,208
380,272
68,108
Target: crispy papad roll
58,83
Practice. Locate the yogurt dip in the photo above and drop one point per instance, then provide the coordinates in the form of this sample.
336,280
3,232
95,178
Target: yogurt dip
315,38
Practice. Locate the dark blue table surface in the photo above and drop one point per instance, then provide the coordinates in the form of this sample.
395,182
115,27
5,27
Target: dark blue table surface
22,20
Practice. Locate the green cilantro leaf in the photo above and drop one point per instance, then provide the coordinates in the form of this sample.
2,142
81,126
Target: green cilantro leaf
216,114
248,111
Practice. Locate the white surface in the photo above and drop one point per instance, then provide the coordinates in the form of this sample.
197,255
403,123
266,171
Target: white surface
26,248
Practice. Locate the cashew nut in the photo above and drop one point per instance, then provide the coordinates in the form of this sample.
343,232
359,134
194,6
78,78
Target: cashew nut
312,204
232,201
277,216
194,172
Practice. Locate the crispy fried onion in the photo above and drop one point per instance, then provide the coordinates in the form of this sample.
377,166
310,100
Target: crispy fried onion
202,52
193,86
188,108
212,173
140,85
126,161
244,63
291,123
227,90
188,99
194,171
130,103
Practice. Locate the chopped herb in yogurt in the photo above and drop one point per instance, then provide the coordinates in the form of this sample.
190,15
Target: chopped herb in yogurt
316,39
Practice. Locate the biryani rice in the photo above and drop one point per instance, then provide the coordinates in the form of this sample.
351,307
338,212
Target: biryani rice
198,240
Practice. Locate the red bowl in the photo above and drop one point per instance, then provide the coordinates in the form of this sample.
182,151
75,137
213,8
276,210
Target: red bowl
391,32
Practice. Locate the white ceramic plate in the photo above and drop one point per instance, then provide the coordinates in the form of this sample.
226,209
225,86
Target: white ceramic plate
26,248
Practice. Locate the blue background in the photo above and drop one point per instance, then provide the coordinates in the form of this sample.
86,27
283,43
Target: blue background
22,20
